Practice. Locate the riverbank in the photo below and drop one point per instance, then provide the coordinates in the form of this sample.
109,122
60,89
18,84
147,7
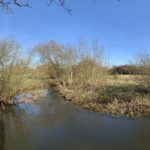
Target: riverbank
117,97
28,86
54,124
30,97
118,100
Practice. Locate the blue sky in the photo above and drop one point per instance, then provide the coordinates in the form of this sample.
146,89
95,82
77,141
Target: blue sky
123,28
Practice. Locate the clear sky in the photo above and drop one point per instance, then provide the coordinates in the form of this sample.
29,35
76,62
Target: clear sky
122,27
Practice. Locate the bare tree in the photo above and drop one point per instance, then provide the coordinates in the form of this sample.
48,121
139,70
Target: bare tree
67,64
51,54
10,70
8,52
143,62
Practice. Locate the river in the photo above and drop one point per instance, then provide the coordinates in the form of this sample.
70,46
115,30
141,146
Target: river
54,124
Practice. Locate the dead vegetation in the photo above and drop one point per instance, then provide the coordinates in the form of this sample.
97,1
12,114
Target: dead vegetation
118,100
73,64
79,75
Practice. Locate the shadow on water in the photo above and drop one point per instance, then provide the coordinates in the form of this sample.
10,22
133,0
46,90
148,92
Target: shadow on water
1,132
54,124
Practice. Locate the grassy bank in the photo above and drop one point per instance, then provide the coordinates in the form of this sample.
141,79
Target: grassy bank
120,98
29,84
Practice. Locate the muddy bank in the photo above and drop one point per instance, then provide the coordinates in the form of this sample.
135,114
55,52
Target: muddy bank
30,96
118,102
27,95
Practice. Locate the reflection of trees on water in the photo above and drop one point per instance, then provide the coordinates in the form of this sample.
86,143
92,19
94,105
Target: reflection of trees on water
1,132
41,125
15,130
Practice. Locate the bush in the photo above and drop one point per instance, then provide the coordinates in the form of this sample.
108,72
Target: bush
126,70
71,64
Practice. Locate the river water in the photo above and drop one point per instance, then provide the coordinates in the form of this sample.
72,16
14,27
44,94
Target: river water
52,124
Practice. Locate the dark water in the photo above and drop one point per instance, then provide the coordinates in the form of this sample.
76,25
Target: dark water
52,124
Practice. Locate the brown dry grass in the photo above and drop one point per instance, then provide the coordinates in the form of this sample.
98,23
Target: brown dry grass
119,98
121,79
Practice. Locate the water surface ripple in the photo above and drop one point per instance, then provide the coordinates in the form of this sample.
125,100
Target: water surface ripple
53,124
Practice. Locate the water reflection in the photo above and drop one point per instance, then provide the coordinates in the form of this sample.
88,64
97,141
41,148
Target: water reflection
1,132
53,124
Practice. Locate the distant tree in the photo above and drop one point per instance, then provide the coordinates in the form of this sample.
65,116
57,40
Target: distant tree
126,69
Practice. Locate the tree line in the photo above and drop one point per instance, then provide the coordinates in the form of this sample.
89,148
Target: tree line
127,70
65,64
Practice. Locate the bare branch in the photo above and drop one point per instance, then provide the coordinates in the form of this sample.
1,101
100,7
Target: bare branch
6,5
21,5
61,3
